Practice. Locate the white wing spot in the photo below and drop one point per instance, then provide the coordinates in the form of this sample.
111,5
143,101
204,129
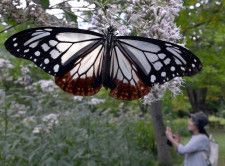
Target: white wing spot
176,54
54,53
45,47
27,50
37,33
161,56
74,37
14,39
125,67
163,74
63,46
152,57
18,50
15,44
141,58
178,62
177,50
37,53
153,78
193,65
75,76
157,65
36,37
182,68
167,44
172,68
73,49
145,46
46,61
33,44
56,68
167,61
53,43
132,82
48,29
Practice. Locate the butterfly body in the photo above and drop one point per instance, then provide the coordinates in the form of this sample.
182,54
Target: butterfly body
84,61
109,42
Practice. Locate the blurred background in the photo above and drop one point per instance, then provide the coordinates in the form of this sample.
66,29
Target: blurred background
42,125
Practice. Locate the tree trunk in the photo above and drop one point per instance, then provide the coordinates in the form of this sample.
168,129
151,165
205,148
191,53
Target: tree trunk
197,98
163,151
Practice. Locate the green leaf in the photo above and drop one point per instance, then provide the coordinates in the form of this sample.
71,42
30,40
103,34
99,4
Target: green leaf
70,16
44,3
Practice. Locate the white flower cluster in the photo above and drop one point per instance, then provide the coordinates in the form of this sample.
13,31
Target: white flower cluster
78,98
17,109
96,101
29,120
149,18
158,91
5,64
25,79
46,85
49,121
31,12
37,129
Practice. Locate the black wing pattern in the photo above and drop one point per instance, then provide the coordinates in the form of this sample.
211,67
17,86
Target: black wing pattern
138,63
54,49
72,55
76,57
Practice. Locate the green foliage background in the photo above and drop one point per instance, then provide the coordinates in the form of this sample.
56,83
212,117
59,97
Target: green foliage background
113,132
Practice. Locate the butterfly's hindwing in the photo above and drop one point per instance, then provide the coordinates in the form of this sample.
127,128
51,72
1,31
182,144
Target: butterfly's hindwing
124,74
53,49
85,76
160,61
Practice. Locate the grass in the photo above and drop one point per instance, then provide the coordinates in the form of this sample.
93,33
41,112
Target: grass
219,136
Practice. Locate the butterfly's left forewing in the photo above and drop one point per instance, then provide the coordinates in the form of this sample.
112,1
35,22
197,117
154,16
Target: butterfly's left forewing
53,49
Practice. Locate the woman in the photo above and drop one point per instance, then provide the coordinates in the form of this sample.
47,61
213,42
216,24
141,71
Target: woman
197,145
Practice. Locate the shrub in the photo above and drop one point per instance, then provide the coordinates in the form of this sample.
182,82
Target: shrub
216,122
179,126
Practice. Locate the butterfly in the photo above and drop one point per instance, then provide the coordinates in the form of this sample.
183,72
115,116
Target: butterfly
84,61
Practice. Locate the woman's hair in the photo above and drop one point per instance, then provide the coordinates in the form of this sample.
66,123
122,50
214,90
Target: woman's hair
200,119
202,131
